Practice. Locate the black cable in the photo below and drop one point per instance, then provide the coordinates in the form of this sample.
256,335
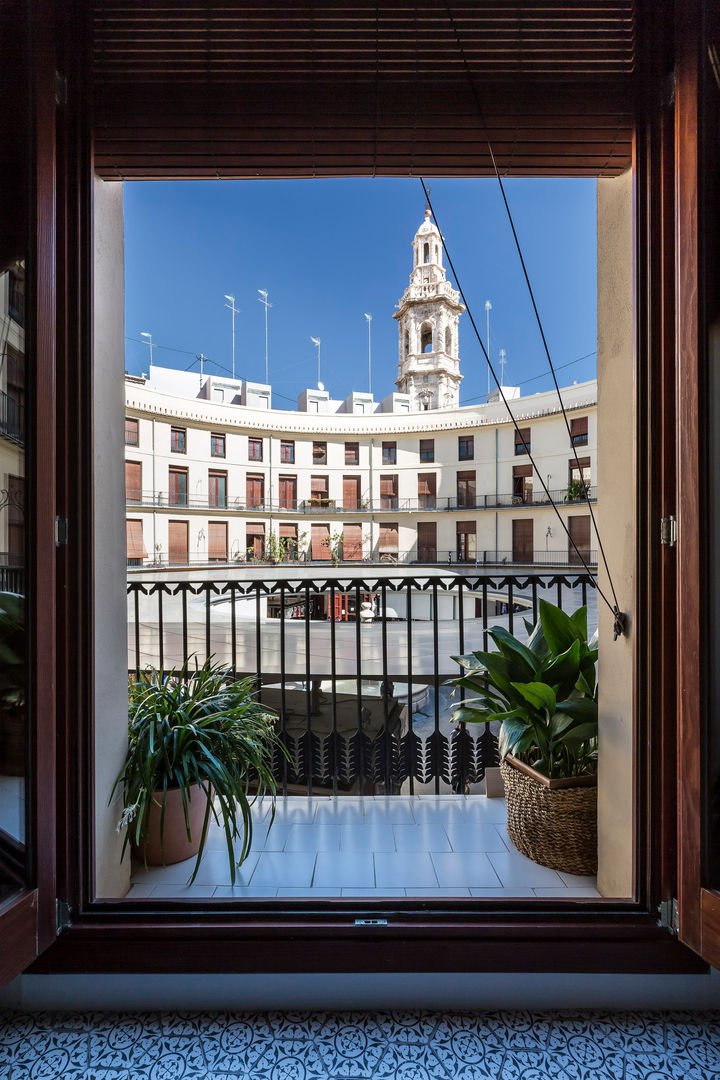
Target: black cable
509,411
619,625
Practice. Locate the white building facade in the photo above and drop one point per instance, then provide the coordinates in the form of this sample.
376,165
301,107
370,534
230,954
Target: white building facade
215,474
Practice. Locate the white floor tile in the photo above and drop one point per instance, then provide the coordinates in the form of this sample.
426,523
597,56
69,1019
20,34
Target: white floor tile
404,870
226,892
273,837
420,838
215,869
296,809
578,881
474,837
284,869
566,893
177,873
465,871
431,894
313,838
344,869
522,894
309,894
139,892
367,838
515,870
388,812
183,892
339,812
377,893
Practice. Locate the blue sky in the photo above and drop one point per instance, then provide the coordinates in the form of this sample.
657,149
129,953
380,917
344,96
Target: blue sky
329,250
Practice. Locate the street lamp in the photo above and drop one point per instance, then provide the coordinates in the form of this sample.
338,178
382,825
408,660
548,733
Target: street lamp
316,343
368,316
235,311
266,302
149,341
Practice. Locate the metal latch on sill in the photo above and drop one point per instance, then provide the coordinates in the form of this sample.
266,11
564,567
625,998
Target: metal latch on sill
668,531
668,911
371,922
62,915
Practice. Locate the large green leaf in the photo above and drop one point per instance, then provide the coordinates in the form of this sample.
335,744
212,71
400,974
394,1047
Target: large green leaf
538,694
558,628
584,709
579,621
565,668
523,663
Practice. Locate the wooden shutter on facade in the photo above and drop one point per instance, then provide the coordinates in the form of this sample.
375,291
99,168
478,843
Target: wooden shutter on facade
388,486
579,425
522,471
217,541
254,490
288,491
351,492
178,542
133,481
287,532
579,526
426,484
210,89
522,535
135,543
352,542
427,541
320,542
388,541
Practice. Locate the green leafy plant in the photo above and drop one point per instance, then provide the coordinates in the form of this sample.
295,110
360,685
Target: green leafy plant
198,726
577,490
543,693
335,544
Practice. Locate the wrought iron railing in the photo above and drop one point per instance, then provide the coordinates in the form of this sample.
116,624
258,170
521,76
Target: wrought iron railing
413,556
384,504
354,666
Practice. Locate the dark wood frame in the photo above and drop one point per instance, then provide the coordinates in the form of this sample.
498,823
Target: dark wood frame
516,936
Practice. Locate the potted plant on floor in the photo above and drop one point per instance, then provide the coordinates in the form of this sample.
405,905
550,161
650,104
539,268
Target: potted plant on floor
201,747
544,695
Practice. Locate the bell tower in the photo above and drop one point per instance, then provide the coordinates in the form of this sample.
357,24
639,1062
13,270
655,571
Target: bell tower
427,316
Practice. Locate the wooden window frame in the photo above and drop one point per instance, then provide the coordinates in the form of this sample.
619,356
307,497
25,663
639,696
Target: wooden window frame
319,452
132,420
389,453
213,452
353,449
287,445
218,474
613,937
254,442
465,443
176,430
424,452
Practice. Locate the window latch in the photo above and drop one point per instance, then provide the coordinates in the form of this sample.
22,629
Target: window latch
668,531
371,922
61,531
669,919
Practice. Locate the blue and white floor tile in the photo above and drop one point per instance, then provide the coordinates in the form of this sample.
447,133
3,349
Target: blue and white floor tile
360,1046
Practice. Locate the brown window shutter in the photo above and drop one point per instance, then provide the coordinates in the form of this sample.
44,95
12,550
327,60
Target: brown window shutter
579,528
469,527
426,484
522,534
351,492
135,544
388,485
522,470
320,542
579,426
427,541
288,532
319,484
178,532
352,542
133,481
217,541
388,541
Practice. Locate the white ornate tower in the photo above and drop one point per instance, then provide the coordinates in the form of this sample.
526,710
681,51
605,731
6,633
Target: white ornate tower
428,314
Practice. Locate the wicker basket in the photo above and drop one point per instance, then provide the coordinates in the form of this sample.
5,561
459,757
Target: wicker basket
553,822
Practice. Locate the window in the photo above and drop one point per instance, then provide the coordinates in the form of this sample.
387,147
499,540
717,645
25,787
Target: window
217,489
388,492
254,490
132,432
16,298
466,541
288,534
466,448
136,550
255,540
288,492
178,542
427,489
466,488
217,541
133,481
217,446
427,449
320,542
579,431
352,546
287,452
319,453
255,449
522,540
319,491
522,483
426,253
579,539
426,338
579,477
178,443
427,541
522,441
388,542
178,487
352,453
351,492
389,453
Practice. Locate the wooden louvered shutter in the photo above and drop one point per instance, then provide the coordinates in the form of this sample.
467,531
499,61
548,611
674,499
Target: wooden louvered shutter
217,541
178,542
388,542
352,543
210,89
133,481
522,534
135,543
579,527
320,542
427,541
351,492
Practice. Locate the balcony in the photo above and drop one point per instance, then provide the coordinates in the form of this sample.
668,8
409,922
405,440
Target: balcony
411,557
381,796
12,419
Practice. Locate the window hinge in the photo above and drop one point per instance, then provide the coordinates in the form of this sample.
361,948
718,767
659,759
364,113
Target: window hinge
668,911
371,922
61,89
62,915
668,530
61,531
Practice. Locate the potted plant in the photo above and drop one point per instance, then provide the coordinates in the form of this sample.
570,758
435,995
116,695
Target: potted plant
544,695
12,684
577,490
200,746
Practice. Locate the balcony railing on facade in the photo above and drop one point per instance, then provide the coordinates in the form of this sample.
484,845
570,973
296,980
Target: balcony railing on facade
425,503
354,667
12,419
377,557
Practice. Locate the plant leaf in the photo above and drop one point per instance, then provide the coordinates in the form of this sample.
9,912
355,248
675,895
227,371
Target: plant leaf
538,694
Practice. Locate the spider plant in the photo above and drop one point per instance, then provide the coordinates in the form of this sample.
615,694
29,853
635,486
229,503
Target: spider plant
543,693
197,726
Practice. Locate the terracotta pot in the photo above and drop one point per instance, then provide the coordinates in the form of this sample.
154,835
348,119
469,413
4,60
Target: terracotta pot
176,847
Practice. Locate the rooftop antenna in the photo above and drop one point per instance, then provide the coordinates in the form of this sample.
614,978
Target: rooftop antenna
235,311
266,302
503,361
316,343
488,309
368,316
149,341
202,358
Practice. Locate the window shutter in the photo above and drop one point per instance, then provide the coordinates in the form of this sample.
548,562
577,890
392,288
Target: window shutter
133,481
319,542
387,485
217,541
522,470
468,527
579,426
178,541
211,89
388,541
288,532
352,542
351,492
319,484
135,543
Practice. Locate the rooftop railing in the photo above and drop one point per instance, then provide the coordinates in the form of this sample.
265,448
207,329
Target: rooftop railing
354,666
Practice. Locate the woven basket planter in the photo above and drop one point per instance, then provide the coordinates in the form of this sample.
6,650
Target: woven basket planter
553,822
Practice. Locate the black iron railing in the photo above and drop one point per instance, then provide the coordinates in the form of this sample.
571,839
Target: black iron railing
354,666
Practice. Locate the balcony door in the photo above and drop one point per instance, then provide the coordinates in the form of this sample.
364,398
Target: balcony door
522,540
